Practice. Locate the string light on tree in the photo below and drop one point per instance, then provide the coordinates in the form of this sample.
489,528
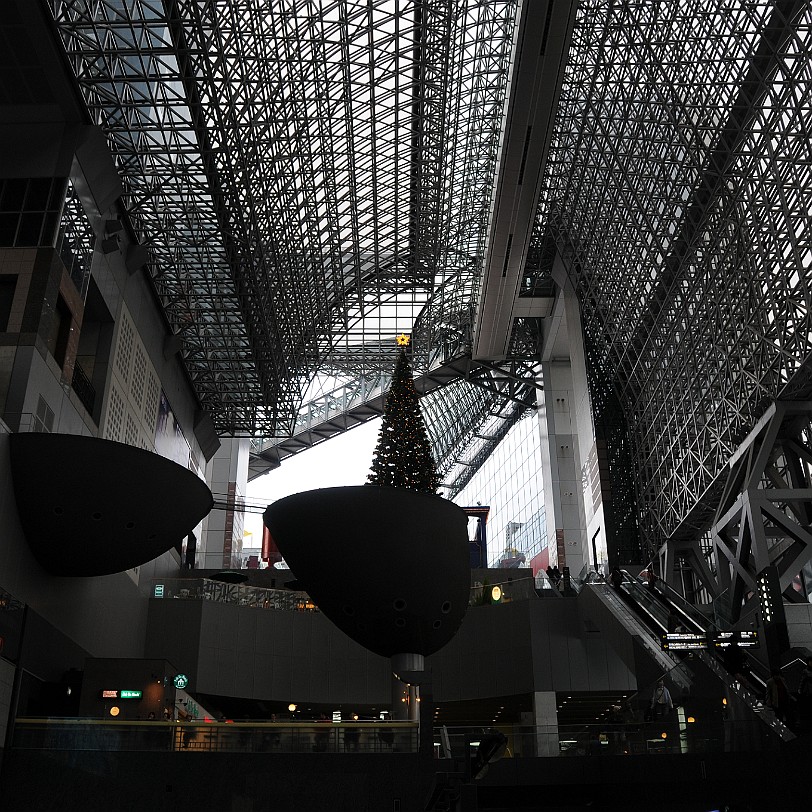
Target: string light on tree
403,455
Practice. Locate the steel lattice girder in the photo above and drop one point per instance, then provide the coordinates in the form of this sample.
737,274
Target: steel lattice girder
308,177
459,399
765,512
679,192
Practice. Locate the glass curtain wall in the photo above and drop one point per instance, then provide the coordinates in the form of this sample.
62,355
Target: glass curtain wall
510,484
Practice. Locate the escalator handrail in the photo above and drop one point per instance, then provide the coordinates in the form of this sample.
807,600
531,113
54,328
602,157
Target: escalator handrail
757,669
659,596
687,609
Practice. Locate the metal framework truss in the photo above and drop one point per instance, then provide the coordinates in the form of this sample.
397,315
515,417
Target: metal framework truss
312,178
458,400
765,514
679,193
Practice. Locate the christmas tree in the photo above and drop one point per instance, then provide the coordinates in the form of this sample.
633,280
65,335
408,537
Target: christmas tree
403,454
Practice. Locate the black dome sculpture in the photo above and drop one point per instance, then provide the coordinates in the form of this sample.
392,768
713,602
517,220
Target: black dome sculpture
388,566
94,507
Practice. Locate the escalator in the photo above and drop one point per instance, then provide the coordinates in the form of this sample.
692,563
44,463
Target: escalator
645,614
747,685
629,631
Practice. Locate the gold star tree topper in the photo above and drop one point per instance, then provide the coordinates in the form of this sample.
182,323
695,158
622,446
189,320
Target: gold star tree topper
403,340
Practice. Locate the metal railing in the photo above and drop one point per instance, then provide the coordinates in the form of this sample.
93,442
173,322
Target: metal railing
752,694
215,737
84,389
510,589
673,734
239,594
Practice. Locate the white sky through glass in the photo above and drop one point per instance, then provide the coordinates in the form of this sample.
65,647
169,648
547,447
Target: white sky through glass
343,460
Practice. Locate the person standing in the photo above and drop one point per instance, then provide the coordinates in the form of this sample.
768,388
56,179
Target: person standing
661,702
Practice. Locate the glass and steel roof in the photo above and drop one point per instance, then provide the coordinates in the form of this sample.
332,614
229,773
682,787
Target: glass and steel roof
679,193
313,178
309,176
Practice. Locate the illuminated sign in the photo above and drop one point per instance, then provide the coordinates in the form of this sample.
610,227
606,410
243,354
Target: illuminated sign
746,639
180,681
684,641
159,591
109,694
690,641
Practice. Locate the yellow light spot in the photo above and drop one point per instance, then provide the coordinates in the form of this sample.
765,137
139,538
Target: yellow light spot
115,710
663,735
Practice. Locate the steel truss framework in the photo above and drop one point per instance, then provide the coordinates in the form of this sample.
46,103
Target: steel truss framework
311,178
487,399
765,513
679,192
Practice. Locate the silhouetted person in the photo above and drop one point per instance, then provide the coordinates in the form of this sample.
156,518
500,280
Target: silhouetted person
734,660
322,736
673,622
616,725
616,577
351,736
778,697
805,697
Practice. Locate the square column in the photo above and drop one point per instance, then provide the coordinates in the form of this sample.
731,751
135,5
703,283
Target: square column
545,719
228,480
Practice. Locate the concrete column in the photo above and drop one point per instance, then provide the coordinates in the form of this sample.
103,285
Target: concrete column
571,470
228,480
545,718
